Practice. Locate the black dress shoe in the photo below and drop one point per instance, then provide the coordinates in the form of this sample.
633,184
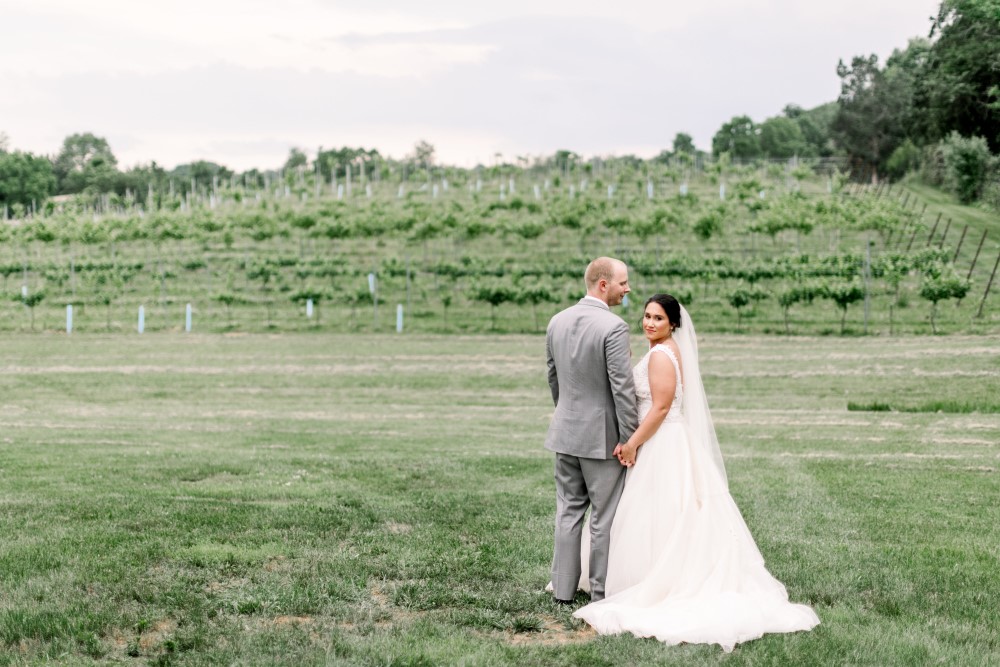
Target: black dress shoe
566,602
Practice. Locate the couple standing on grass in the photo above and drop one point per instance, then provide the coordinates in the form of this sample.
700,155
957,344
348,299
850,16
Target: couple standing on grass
666,553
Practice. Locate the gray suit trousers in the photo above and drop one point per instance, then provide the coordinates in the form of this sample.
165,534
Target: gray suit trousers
582,482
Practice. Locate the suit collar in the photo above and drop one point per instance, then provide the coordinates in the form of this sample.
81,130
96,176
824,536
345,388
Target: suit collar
588,300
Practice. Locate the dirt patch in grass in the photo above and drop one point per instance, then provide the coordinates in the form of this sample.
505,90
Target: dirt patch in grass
221,586
398,528
282,621
277,564
156,635
554,632
379,596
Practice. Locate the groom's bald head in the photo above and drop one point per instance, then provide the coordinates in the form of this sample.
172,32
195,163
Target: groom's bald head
602,268
607,279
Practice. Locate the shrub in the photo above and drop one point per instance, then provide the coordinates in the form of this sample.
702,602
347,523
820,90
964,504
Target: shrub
941,283
932,165
708,225
904,159
991,190
843,294
967,163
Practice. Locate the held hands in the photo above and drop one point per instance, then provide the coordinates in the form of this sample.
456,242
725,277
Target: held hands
626,454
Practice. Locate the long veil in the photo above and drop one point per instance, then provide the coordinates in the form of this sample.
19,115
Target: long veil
697,416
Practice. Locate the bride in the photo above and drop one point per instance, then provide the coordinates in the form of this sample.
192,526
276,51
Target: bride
683,566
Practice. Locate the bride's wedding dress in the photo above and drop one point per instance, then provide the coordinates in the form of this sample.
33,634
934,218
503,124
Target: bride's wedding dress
683,566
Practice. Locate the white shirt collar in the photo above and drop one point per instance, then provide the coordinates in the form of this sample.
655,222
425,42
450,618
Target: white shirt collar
594,299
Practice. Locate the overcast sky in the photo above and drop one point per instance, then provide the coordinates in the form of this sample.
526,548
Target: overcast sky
240,83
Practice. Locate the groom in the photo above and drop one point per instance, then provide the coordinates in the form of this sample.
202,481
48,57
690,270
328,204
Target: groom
590,374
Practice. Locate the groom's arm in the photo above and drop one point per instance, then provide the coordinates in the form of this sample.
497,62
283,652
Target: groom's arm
617,352
550,360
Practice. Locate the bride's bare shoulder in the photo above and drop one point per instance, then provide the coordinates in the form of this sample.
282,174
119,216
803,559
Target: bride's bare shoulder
661,362
669,347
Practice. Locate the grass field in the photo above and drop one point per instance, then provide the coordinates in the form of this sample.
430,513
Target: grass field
320,499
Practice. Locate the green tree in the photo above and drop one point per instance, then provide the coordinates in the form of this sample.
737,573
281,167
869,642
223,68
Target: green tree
423,154
335,160
8,270
229,299
967,164
107,285
316,295
202,172
892,268
684,143
359,298
565,160
534,292
941,283
30,301
495,293
904,159
814,124
85,162
140,179
742,297
740,137
446,298
905,70
266,272
783,213
793,295
782,138
528,230
875,111
296,159
708,225
844,294
961,84
25,179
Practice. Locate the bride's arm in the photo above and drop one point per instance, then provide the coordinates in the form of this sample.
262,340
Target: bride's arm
662,385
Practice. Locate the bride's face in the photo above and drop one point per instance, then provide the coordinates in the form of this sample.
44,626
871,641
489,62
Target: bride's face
655,323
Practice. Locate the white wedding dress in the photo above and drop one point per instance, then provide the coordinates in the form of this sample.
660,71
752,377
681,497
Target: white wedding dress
683,566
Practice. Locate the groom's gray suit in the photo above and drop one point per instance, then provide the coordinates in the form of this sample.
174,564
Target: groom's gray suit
590,375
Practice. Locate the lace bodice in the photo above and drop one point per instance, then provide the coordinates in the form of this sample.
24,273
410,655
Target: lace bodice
644,398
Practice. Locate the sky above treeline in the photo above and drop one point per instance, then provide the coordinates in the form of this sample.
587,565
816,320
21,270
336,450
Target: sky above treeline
241,83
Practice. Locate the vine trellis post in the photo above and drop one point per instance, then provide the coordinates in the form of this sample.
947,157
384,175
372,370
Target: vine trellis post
944,235
868,271
933,229
986,293
976,257
959,247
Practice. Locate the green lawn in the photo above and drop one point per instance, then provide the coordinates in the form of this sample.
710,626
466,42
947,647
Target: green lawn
311,499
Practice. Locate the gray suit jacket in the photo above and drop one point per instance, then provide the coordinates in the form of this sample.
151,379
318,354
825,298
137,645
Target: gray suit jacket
590,375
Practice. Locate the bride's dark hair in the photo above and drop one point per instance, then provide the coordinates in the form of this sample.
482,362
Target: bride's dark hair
670,306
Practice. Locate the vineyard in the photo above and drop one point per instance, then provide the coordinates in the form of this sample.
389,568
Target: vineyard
787,248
